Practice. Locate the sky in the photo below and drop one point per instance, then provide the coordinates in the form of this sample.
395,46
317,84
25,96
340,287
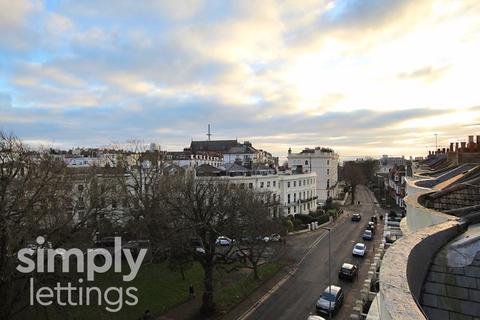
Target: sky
365,77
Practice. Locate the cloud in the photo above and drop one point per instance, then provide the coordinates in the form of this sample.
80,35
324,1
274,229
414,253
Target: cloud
428,74
352,74
15,32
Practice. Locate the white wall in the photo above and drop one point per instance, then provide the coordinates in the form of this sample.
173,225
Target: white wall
324,164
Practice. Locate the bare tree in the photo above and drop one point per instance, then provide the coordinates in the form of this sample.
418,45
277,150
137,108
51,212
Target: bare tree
354,176
253,228
139,189
36,198
201,209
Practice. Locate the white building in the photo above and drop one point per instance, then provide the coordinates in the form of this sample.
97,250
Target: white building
188,159
386,163
233,151
296,193
322,161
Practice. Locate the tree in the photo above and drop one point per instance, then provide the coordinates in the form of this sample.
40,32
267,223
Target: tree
353,175
36,199
140,190
253,223
202,209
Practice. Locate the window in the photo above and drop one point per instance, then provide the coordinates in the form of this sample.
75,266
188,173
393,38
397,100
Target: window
250,185
268,184
328,171
328,162
294,197
294,184
295,209
304,195
274,184
80,187
288,210
288,184
306,162
328,183
328,194
288,198
261,184
300,183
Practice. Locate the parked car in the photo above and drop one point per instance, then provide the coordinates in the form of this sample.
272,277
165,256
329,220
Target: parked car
367,235
359,249
356,217
223,241
371,226
331,300
348,271
275,237
136,245
391,238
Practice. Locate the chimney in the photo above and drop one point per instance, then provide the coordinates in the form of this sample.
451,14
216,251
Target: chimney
478,140
444,150
289,150
463,144
456,147
451,147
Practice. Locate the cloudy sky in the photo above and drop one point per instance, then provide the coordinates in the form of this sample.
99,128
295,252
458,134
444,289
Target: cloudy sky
367,77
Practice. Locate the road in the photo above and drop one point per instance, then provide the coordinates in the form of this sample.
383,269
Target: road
296,297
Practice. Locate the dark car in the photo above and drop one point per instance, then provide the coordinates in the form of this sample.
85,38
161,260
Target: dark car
391,238
348,271
136,245
356,217
330,301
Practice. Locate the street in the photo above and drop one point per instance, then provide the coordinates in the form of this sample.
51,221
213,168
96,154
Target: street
296,297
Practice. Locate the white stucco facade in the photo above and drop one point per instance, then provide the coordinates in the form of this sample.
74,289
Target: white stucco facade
323,162
296,193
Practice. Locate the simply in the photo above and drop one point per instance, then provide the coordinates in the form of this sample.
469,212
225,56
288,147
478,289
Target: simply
27,257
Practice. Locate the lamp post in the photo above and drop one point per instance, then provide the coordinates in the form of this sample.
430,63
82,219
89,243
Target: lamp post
329,271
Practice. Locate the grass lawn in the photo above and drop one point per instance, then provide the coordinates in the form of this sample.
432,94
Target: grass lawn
228,296
160,289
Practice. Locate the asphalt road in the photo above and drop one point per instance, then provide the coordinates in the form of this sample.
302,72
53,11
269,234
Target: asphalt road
296,297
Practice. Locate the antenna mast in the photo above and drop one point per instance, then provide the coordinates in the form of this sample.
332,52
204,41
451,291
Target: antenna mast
209,134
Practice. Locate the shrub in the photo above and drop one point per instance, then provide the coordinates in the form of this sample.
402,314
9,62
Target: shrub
323,219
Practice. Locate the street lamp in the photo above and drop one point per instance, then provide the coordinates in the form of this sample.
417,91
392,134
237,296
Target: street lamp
329,271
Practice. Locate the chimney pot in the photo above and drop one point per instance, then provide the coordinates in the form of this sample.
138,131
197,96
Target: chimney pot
451,146
456,146
470,139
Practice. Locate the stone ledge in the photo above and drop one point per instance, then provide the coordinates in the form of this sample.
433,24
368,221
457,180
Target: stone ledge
405,266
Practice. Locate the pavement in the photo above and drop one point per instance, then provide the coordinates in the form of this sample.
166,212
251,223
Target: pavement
292,294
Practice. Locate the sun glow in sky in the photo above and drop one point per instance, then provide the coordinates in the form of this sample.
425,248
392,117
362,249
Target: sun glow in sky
366,77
